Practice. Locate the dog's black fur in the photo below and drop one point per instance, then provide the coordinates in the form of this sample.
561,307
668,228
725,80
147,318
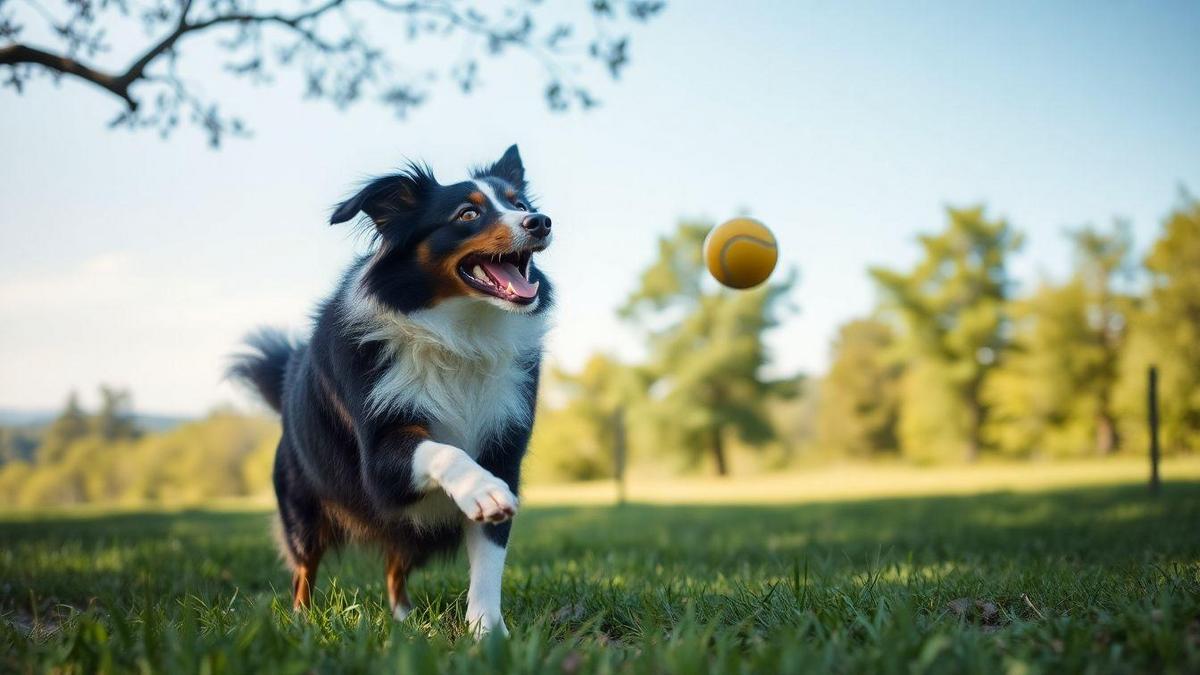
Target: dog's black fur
343,470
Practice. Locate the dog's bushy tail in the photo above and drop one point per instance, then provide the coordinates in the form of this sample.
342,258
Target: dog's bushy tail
263,366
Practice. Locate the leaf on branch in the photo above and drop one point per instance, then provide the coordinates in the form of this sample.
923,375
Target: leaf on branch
402,99
561,33
644,10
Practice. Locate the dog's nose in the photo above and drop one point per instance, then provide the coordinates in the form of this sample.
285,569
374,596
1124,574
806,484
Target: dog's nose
537,225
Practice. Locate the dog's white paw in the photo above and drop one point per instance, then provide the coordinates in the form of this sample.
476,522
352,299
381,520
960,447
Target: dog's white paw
485,498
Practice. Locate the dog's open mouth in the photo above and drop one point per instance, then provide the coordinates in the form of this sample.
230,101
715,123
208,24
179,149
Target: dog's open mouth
504,276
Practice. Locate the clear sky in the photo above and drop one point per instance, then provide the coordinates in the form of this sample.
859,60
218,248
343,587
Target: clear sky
847,127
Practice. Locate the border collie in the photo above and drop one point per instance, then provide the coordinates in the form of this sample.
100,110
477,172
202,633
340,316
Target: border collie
407,412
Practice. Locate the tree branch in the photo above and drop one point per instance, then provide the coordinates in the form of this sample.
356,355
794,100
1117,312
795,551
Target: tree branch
17,54
337,59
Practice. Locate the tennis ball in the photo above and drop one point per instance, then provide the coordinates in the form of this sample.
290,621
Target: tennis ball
740,253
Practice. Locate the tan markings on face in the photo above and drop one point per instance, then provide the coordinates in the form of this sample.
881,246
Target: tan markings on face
511,194
477,198
444,272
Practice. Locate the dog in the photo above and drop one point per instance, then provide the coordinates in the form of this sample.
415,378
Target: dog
407,412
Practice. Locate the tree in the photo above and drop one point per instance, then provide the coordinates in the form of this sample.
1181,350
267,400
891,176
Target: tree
71,425
1054,393
576,440
1036,398
707,352
345,50
859,406
1102,260
952,306
115,421
1172,324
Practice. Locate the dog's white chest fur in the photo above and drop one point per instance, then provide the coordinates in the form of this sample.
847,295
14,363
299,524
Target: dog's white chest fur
461,364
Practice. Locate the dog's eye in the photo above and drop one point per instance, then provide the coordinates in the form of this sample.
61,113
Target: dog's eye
521,206
468,214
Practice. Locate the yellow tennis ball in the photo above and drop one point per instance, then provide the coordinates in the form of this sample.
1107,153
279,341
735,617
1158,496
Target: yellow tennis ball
740,253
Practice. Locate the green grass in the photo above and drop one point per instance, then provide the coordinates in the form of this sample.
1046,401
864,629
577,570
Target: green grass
1103,579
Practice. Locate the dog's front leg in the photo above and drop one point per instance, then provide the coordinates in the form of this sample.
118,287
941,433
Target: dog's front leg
480,495
487,570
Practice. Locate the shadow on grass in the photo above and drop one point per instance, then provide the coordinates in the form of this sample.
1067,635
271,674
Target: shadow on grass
114,559
1100,576
1110,523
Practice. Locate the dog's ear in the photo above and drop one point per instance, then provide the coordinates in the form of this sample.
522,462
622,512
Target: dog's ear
508,167
387,197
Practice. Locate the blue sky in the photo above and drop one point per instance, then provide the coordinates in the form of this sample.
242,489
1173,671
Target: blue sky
846,127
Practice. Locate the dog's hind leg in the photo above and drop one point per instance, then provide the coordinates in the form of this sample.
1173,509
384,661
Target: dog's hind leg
306,530
398,567
304,577
305,541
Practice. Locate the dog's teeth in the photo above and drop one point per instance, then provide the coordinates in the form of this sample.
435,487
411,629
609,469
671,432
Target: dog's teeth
478,273
510,288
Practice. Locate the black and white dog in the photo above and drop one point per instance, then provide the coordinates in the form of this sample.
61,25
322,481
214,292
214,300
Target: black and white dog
407,413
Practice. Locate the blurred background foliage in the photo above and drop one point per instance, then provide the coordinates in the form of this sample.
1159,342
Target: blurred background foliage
955,364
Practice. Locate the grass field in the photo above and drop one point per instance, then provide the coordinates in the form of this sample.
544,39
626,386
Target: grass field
1094,577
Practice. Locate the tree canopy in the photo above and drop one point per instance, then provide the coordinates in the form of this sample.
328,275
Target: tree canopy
1172,319
953,308
707,351
859,407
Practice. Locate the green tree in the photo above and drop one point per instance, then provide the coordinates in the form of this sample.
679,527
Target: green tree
72,424
115,421
1034,398
1172,326
707,352
859,404
1054,392
1102,261
952,306
577,439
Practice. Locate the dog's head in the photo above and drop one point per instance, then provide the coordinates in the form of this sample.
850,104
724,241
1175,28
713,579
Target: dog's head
474,239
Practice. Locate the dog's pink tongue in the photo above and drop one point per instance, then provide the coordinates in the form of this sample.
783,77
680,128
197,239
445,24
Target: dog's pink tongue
508,276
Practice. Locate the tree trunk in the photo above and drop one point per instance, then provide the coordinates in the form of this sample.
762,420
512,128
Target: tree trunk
974,430
620,450
1106,434
718,450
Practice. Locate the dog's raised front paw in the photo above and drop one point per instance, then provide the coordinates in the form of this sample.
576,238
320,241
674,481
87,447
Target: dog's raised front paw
485,499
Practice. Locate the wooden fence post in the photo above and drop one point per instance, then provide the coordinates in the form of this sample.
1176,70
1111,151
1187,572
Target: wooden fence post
1152,411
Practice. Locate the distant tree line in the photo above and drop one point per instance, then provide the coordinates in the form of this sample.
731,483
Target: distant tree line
104,457
954,364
